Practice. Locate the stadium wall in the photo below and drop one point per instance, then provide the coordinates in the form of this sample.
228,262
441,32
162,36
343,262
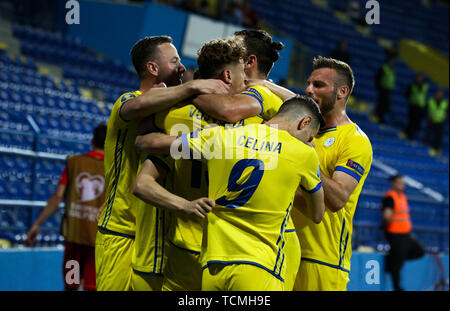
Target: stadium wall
39,269
127,23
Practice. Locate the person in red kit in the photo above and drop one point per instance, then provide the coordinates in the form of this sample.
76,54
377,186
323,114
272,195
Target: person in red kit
82,185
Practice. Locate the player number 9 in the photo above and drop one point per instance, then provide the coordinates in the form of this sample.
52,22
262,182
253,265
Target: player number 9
248,187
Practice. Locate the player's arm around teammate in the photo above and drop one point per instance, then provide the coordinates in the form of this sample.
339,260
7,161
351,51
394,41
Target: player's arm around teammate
261,54
160,69
229,108
158,99
148,189
280,91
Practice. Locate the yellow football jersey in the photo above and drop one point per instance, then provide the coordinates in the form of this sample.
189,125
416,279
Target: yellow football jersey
152,224
122,161
190,177
254,172
343,148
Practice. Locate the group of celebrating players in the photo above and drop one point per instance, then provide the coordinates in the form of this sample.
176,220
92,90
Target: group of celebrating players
229,181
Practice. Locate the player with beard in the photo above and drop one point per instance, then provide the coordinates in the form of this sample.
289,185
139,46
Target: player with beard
345,155
158,65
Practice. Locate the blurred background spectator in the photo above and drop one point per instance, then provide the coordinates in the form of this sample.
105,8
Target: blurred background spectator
416,94
233,14
437,115
397,225
354,12
385,84
250,16
341,52
190,6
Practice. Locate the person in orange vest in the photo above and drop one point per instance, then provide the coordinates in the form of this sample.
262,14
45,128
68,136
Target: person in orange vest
398,226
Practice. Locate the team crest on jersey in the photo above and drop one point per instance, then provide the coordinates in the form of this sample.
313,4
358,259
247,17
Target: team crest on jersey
356,166
329,142
127,97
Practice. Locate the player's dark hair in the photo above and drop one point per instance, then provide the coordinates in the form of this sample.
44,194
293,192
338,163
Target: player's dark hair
99,136
216,54
344,72
145,50
395,177
260,44
299,105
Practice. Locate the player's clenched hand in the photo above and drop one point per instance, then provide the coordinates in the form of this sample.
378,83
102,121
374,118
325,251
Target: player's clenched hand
211,86
200,207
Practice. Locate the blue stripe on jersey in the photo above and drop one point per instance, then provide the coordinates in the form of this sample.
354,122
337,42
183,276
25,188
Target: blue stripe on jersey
325,264
257,98
340,242
281,238
327,130
345,248
289,230
348,171
242,262
117,166
147,273
316,188
281,265
255,92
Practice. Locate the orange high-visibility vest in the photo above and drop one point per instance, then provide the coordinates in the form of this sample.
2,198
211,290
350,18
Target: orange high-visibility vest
400,221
